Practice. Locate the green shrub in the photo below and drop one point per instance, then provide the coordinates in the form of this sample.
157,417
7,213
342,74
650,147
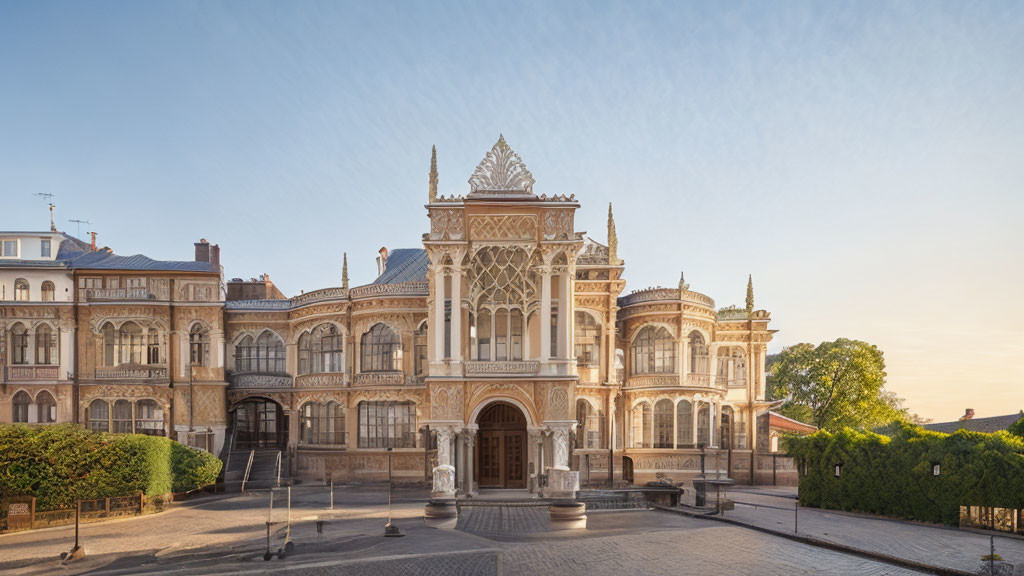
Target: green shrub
59,464
894,476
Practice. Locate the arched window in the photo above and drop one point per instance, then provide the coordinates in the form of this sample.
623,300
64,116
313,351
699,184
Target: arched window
46,345
587,340
130,344
642,425
322,350
322,423
684,424
20,405
198,346
419,343
381,350
269,353
703,425
99,416
47,291
122,417
21,290
698,354
149,418
387,424
653,351
19,344
663,416
245,355
46,408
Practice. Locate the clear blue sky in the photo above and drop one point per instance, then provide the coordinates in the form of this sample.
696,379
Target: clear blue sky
864,161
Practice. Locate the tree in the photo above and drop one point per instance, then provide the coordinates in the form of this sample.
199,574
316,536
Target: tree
834,384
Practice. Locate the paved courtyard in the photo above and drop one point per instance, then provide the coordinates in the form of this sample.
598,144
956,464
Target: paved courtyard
227,535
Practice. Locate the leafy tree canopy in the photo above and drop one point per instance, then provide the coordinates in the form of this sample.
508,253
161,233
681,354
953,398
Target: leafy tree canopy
834,385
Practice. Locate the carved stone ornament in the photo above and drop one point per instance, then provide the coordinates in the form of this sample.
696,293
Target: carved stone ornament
501,171
446,402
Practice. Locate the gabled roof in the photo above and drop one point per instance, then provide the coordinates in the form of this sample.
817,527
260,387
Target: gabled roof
776,420
405,265
989,425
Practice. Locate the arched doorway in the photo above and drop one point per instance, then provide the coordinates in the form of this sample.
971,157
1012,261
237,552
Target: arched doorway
501,450
259,423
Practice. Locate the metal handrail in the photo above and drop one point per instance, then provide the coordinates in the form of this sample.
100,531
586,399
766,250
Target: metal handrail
279,468
248,468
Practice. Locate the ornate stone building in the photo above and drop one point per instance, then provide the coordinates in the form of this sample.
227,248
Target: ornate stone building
500,354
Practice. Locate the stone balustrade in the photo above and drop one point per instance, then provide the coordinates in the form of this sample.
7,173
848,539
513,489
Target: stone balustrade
131,372
322,380
259,381
27,373
395,378
501,368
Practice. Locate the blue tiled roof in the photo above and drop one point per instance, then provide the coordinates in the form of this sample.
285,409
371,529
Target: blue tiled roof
990,424
405,265
74,253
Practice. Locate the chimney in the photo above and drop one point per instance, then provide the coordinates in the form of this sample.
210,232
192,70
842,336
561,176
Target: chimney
382,260
215,255
968,414
93,245
202,250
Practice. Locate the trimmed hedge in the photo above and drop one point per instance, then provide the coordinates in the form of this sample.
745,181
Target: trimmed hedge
62,463
893,476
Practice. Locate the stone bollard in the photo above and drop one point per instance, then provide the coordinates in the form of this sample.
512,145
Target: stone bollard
568,515
441,513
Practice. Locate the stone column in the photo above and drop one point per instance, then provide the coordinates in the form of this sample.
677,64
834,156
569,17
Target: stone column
762,376
712,364
456,325
695,418
686,354
444,472
545,314
535,446
711,424
564,316
438,319
470,451
460,463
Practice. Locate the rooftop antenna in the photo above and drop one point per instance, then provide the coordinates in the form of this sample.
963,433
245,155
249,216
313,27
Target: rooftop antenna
79,222
49,199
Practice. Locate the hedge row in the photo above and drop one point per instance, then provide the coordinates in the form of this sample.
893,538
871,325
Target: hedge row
59,464
894,476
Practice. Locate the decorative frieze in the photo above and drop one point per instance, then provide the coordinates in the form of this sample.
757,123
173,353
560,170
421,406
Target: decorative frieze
320,296
501,368
260,381
652,381
333,380
395,378
26,373
447,224
507,227
417,288
131,373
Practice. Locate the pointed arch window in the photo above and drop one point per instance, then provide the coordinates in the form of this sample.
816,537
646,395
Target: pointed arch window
198,346
663,421
381,350
46,408
322,350
653,351
20,406
19,344
244,355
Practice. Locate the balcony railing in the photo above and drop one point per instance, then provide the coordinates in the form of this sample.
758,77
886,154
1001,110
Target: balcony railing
131,372
395,378
652,380
698,380
501,368
118,294
20,373
260,381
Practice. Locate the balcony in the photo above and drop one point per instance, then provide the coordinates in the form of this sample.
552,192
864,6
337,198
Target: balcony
131,372
32,373
501,368
259,381
322,380
93,294
395,378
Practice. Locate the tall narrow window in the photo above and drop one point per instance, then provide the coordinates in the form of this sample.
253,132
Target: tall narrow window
44,248
10,248
684,424
305,351
244,355
46,345
725,441
448,328
109,341
47,291
653,351
704,425
149,418
269,354
19,344
21,290
198,346
326,349
483,335
663,415
420,345
46,408
130,344
554,329
122,419
501,335
698,354
381,350
20,406
516,317
153,356
587,339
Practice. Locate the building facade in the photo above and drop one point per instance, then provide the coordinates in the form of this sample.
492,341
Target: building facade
501,353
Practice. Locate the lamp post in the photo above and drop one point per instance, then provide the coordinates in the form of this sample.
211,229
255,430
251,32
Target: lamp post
390,530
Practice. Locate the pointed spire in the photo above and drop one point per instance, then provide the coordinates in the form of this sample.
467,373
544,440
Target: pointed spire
750,294
613,239
683,286
432,188
344,271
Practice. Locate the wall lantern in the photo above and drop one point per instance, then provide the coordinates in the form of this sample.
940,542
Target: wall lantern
839,469
936,469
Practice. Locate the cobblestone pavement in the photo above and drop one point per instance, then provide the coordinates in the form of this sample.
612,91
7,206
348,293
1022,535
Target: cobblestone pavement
227,536
934,545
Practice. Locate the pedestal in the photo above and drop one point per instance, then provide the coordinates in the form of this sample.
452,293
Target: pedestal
562,484
440,511
568,515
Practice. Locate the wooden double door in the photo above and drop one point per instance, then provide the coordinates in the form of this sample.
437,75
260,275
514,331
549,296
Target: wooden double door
501,450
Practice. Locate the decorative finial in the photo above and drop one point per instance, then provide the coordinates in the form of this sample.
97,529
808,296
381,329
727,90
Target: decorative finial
501,171
750,294
683,286
432,192
53,227
344,271
613,239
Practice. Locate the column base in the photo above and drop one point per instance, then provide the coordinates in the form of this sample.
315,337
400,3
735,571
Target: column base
568,515
562,484
441,513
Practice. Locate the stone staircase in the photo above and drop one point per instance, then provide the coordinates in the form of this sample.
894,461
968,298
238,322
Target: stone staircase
263,474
